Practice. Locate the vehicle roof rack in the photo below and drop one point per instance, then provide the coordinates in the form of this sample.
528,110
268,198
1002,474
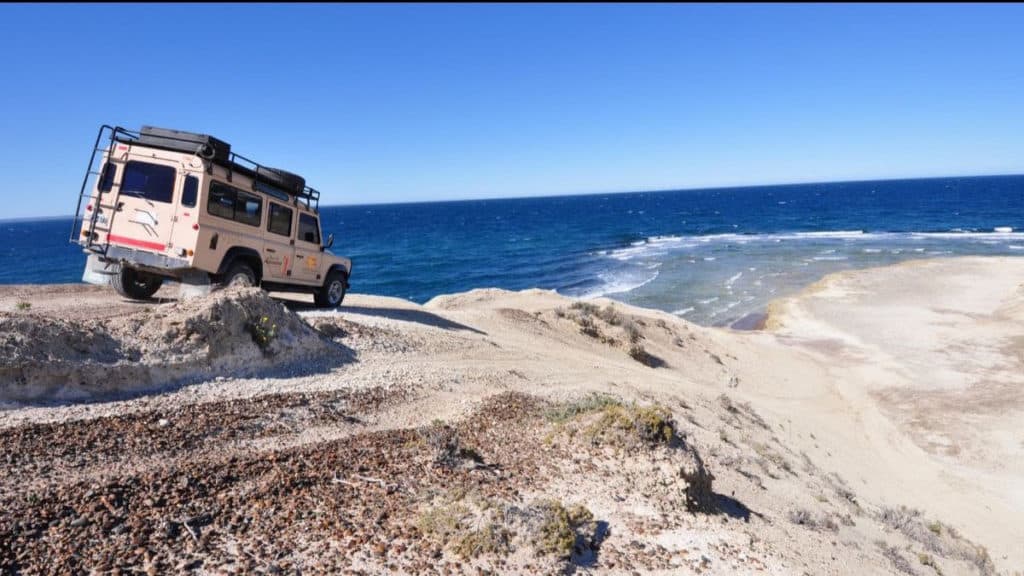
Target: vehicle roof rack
273,181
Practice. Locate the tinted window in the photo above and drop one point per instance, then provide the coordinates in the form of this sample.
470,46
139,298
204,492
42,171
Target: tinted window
280,221
107,177
248,208
308,229
148,181
233,204
222,201
188,195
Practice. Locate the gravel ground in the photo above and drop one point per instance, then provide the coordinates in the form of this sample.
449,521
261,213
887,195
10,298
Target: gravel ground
484,434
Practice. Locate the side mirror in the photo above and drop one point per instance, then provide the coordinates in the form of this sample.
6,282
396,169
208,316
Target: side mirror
330,241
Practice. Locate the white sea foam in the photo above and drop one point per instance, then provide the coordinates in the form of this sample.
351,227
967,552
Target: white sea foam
683,311
708,301
617,284
1000,233
1015,247
732,280
830,234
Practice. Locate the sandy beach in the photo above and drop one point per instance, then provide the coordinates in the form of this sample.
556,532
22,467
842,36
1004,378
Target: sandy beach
874,426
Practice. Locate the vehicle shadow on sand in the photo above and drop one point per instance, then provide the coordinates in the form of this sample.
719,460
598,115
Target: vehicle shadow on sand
401,314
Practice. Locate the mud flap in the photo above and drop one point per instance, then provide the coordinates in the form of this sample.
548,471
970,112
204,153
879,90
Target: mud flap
99,272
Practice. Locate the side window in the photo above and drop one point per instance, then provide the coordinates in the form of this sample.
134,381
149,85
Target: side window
280,221
309,231
233,204
248,208
150,181
191,191
222,201
107,177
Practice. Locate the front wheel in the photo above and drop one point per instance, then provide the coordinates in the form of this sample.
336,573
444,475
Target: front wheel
136,285
333,291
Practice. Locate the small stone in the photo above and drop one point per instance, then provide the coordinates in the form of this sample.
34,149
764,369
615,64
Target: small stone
163,423
80,521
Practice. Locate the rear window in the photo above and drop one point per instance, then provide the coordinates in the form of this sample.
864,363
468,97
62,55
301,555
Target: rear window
280,221
107,177
188,195
308,229
234,204
150,181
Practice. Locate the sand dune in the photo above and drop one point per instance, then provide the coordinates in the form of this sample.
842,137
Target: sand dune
874,427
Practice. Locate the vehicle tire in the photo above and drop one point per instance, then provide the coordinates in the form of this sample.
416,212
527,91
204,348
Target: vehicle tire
239,274
136,285
333,291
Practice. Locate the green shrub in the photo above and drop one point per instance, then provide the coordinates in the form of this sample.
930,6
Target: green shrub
558,530
263,332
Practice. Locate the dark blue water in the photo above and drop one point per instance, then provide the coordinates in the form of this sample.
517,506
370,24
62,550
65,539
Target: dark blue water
709,255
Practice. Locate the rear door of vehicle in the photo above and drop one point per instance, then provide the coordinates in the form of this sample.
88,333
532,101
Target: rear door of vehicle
308,258
278,246
145,203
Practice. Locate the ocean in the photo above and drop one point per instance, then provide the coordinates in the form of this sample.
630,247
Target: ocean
712,256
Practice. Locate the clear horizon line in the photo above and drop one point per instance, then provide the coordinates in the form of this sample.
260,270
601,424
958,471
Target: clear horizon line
693,189
573,194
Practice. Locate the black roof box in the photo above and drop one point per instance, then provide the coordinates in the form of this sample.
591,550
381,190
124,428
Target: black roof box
201,144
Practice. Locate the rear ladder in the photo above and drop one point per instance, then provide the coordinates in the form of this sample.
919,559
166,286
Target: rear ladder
91,241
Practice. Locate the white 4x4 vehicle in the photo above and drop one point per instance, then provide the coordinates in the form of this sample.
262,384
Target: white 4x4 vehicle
167,204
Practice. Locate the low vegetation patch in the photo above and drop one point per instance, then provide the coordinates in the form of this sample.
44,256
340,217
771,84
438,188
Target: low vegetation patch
23,306
263,331
471,526
899,562
447,449
562,530
806,518
939,539
632,330
564,412
928,561
604,419
618,423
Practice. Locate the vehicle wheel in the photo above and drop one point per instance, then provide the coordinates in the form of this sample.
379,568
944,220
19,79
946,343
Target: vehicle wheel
136,285
239,274
333,291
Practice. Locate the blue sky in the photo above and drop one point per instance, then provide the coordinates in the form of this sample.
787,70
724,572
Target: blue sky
389,103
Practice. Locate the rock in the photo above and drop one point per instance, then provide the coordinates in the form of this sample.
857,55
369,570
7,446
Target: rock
80,521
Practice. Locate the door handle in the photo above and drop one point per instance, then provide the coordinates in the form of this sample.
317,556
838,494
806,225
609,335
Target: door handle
271,250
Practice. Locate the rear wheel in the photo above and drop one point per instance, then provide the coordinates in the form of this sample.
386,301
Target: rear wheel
239,274
134,284
333,291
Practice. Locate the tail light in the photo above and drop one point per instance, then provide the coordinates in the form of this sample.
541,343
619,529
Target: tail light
195,226
88,207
